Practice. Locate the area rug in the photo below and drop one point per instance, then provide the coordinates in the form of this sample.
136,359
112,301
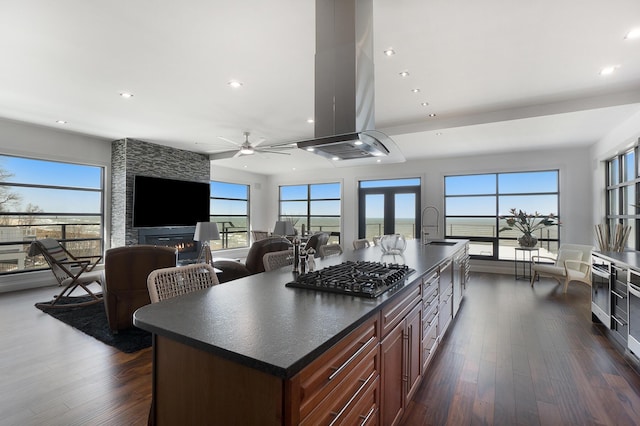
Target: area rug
92,320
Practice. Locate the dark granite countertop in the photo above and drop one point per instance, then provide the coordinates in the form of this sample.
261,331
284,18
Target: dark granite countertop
259,322
630,258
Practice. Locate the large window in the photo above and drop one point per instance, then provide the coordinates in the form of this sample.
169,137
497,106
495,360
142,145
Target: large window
622,189
476,208
312,207
230,210
40,199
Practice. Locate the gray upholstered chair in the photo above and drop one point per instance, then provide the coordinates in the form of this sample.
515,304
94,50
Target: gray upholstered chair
254,264
330,250
361,243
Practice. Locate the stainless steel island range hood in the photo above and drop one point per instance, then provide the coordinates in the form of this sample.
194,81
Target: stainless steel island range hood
344,84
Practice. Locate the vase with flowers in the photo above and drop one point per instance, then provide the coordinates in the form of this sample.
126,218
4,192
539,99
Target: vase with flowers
528,224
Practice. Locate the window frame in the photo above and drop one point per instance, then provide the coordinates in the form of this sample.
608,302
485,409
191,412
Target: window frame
68,242
308,200
495,240
223,243
617,191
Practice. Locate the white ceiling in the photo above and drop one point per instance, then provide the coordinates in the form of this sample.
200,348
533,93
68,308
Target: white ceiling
500,75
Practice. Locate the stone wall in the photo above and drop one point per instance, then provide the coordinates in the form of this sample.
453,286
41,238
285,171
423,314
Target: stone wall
130,157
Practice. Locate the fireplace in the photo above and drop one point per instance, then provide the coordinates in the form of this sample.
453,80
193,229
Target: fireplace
181,238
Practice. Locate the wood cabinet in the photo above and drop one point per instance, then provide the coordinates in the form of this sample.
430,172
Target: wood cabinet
338,384
366,377
400,354
430,302
445,309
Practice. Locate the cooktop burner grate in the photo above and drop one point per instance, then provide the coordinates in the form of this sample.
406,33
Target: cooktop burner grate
359,278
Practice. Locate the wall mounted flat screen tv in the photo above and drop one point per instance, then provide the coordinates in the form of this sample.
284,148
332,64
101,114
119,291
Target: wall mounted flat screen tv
169,202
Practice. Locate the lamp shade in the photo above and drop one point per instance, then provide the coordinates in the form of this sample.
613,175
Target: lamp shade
283,227
206,231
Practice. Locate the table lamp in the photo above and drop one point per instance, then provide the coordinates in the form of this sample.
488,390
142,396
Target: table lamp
283,228
205,232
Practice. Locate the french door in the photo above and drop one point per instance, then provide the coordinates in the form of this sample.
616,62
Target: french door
389,210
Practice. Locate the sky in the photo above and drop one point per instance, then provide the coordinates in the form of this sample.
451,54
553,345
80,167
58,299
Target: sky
475,193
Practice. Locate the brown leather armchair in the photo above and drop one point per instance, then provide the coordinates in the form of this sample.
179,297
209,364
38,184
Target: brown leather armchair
316,240
232,270
125,285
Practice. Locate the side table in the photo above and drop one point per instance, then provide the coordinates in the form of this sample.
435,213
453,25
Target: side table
522,262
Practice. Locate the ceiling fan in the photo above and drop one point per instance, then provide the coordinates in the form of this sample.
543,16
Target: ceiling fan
248,148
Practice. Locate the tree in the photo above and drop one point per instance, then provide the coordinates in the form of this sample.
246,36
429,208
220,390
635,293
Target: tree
8,198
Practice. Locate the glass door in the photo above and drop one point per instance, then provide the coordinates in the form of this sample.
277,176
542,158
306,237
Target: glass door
389,207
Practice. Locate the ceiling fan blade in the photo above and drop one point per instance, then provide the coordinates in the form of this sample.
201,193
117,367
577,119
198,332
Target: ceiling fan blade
229,140
224,155
261,140
266,151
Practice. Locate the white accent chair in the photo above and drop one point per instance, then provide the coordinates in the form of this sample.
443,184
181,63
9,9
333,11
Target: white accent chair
572,264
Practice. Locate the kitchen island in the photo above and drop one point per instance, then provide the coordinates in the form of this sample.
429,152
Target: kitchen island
253,351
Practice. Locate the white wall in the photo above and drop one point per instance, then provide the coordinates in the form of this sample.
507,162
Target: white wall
50,144
575,187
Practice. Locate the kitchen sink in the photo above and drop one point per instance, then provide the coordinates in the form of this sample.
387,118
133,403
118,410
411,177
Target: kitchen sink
442,243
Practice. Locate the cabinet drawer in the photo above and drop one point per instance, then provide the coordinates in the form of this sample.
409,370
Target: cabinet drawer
429,295
366,411
330,370
395,312
344,401
429,317
430,284
429,344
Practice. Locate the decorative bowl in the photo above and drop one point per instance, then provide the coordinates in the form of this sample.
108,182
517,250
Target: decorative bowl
393,244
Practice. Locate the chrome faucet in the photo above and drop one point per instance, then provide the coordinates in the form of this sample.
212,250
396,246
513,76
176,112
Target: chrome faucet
430,230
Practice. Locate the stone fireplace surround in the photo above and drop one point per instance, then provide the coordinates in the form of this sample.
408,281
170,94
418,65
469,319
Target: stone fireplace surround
130,157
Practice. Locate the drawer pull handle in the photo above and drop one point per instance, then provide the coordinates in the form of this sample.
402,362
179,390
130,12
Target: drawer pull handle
365,419
622,323
430,301
354,396
619,296
351,358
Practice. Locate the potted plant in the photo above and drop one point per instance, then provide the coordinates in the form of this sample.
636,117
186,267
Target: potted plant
528,224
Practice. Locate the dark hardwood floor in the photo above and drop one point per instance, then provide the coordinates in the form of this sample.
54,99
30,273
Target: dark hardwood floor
514,355
522,356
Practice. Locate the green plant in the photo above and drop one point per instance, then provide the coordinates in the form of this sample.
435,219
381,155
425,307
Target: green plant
528,223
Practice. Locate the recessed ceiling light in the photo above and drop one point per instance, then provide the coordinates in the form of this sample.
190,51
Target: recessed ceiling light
633,34
310,120
438,133
126,95
335,158
378,160
389,52
416,90
357,143
235,84
424,103
61,122
377,154
404,74
609,70
432,115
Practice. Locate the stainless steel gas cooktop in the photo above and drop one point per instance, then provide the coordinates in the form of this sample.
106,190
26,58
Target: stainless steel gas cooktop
360,278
